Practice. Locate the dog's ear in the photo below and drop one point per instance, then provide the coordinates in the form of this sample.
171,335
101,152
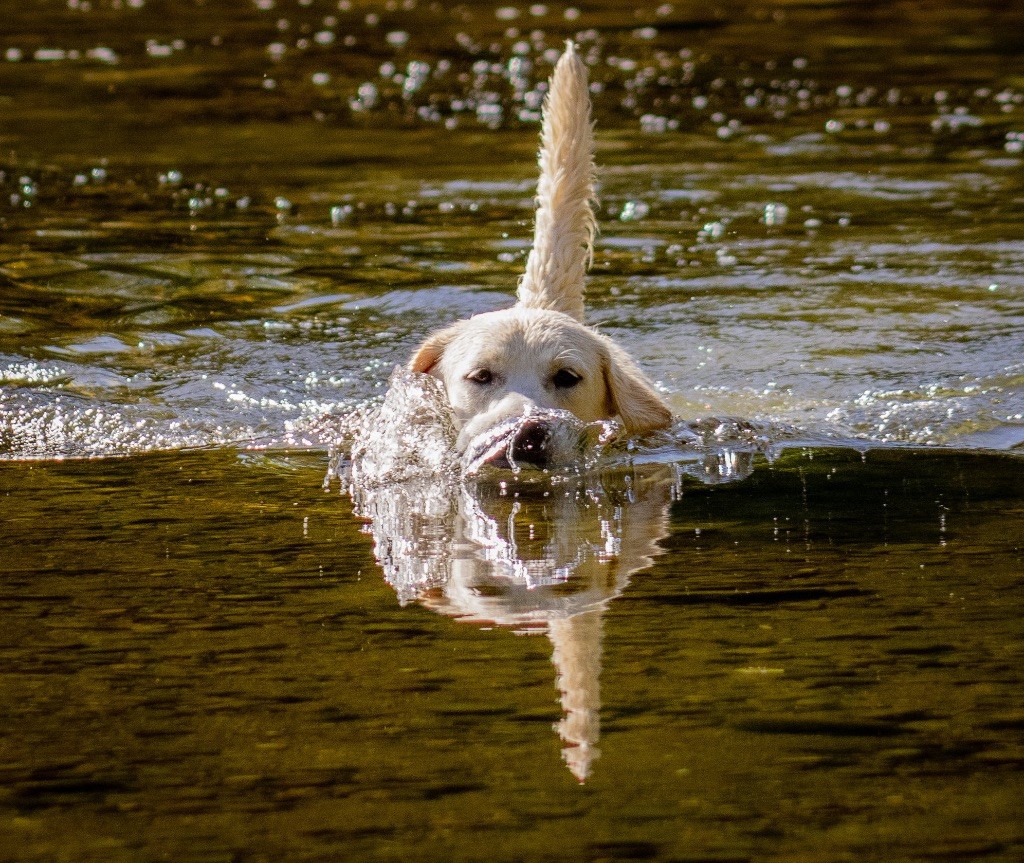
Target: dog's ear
430,352
631,395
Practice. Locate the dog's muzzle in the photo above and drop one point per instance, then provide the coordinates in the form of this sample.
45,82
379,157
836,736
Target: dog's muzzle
549,439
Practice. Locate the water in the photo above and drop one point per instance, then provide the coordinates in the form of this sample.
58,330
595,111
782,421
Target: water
203,241
202,660
788,629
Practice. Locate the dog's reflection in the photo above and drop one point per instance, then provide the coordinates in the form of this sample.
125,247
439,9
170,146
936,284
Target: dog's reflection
541,557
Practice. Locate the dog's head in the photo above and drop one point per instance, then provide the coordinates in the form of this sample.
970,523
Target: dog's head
523,362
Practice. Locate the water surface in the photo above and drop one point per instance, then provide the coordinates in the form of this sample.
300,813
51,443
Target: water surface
789,632
201,660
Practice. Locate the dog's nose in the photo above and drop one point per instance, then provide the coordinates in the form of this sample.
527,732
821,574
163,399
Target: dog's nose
530,444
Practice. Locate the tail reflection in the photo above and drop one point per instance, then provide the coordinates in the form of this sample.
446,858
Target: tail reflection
545,557
577,659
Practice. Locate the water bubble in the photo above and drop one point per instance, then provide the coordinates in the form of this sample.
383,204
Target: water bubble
955,122
366,97
775,214
633,211
712,231
102,54
654,124
416,75
489,114
158,49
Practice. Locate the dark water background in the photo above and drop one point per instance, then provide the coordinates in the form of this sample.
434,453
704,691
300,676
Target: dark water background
223,223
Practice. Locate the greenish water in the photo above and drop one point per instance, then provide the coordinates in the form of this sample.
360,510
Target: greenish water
202,661
794,635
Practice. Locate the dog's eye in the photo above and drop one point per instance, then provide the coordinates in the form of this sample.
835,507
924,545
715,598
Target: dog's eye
565,379
480,376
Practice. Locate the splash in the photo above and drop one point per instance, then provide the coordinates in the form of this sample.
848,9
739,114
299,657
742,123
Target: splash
571,446
409,436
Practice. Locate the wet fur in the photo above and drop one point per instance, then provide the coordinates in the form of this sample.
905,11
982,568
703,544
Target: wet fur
525,348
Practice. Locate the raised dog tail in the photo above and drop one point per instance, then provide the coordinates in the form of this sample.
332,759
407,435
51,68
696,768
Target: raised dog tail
563,240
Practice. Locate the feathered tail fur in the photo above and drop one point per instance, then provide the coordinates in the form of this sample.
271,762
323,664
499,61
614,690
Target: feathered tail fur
563,239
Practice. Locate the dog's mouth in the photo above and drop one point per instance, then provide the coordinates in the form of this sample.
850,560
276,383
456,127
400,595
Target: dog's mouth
534,440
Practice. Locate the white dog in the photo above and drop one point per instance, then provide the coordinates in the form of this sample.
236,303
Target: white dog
506,368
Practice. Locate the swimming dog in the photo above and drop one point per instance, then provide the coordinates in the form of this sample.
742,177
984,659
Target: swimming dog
509,368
